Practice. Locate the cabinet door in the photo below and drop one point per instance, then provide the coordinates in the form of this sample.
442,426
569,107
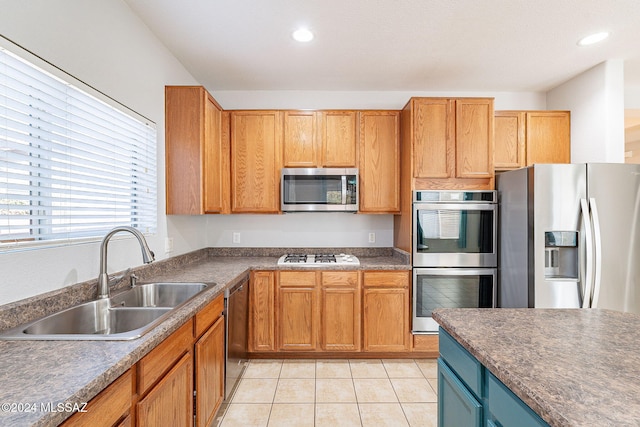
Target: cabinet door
197,162
256,138
386,311
456,405
379,162
297,311
184,130
340,314
214,169
548,137
433,137
474,138
509,139
170,402
209,373
338,133
261,314
300,139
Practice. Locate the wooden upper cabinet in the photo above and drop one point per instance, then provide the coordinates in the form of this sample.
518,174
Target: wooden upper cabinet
548,137
300,145
338,130
474,138
256,160
509,131
451,143
433,137
379,162
523,138
320,139
197,158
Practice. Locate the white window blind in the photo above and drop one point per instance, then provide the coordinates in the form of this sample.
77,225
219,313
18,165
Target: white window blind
71,166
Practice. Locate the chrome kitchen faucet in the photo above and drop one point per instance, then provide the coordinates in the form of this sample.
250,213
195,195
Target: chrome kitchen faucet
103,277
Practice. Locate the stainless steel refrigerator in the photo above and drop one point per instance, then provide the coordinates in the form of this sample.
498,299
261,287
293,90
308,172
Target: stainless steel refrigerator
570,236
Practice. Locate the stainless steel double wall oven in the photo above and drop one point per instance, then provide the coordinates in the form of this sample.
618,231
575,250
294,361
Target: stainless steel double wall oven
455,252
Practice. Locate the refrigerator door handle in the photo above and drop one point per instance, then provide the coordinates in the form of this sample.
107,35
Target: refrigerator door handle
597,239
588,238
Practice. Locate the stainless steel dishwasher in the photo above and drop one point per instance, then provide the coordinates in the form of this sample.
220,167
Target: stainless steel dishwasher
236,307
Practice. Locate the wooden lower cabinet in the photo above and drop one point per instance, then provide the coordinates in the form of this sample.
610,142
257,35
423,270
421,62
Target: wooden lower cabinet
170,402
209,353
386,311
298,314
332,312
165,381
209,373
261,311
340,313
107,408
183,373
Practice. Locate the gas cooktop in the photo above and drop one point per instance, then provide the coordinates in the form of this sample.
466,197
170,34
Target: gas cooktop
318,260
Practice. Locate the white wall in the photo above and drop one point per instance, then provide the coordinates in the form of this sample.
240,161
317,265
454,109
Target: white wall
105,45
315,230
632,98
596,101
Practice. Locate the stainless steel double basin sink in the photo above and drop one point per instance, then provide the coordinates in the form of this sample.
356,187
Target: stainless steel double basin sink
125,316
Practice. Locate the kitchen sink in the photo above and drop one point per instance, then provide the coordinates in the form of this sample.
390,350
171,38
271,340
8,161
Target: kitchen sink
125,316
157,295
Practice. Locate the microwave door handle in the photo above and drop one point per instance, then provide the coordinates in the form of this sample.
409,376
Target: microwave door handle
344,189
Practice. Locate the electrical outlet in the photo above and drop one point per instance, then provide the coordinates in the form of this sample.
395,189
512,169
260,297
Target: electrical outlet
236,237
168,244
372,237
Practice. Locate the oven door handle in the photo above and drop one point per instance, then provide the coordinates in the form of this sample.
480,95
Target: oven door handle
455,271
455,206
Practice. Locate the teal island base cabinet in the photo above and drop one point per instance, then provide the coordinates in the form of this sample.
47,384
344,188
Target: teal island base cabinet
471,396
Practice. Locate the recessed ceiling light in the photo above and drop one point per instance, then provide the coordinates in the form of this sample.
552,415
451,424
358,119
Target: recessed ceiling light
302,35
593,38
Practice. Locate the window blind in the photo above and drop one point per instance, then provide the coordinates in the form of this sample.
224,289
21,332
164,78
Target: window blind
71,166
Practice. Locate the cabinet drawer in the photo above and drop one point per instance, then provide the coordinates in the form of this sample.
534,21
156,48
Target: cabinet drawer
456,405
161,359
427,342
108,406
507,409
340,278
209,314
387,279
298,279
461,361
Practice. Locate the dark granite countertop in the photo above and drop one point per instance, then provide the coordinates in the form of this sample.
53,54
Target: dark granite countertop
37,373
572,367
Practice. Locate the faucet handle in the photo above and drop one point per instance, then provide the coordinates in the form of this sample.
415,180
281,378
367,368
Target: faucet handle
134,280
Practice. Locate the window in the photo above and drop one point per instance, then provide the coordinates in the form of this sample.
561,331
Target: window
72,165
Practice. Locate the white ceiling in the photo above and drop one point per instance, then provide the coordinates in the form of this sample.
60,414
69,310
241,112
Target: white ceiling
394,45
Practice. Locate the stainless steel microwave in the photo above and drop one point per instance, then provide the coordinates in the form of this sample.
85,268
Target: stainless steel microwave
319,189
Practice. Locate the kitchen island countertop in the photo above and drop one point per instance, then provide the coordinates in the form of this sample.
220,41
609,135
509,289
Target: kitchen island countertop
573,367
35,375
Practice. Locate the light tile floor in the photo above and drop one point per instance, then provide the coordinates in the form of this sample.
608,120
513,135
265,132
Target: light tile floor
334,393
